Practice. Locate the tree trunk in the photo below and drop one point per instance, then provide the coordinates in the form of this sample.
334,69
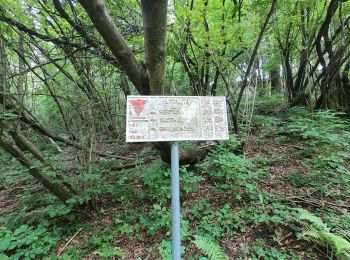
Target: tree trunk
331,84
3,66
332,7
22,76
345,81
124,85
299,95
154,13
45,180
275,80
288,74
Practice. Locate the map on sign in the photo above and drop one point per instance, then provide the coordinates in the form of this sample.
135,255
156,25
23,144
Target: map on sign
175,118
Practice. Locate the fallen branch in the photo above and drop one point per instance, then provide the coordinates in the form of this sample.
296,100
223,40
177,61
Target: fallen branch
129,166
317,203
70,240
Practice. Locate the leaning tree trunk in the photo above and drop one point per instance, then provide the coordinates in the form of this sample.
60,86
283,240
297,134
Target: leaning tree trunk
103,22
12,148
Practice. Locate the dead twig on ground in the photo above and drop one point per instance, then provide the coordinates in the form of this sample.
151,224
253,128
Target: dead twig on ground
70,240
317,203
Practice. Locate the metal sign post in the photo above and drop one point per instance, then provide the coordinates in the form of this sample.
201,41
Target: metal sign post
172,119
175,202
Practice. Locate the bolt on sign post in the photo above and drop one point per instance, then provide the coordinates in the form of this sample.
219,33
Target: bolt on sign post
173,119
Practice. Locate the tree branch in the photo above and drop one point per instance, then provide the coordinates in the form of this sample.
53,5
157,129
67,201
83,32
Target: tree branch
59,41
114,40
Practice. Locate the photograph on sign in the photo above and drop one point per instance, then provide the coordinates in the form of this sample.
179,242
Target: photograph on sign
175,118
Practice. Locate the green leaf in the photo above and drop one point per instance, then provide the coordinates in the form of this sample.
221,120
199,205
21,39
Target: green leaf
3,257
20,230
4,244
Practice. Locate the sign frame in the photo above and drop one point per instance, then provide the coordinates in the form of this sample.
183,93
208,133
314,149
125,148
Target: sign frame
226,137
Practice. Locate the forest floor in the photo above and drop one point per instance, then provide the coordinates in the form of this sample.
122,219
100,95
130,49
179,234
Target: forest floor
285,195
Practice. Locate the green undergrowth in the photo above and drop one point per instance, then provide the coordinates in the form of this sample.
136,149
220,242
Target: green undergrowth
233,204
326,155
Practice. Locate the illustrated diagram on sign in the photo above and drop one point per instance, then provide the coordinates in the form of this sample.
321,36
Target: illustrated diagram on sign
138,105
137,108
164,118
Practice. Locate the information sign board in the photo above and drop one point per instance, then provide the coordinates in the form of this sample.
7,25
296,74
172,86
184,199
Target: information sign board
175,118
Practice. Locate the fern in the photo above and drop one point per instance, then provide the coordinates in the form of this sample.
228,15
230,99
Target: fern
319,233
314,220
210,248
340,247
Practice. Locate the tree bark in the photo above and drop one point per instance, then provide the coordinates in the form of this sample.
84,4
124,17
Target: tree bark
275,80
332,7
21,78
288,72
298,90
3,66
345,81
154,13
124,85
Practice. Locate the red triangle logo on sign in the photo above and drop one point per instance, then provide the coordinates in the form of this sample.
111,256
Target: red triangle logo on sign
138,105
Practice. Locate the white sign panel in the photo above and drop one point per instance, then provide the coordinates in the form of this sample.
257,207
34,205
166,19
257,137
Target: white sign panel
175,118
